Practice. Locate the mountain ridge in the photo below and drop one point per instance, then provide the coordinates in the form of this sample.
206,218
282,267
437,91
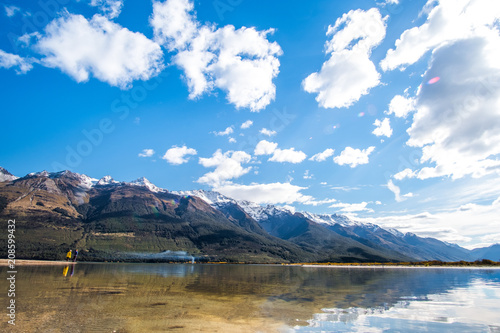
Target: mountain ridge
271,232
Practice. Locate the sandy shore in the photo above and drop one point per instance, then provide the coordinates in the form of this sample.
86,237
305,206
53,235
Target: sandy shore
400,267
25,262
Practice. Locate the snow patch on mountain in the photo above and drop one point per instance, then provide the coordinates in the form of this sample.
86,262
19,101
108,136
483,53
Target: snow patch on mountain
107,180
146,183
395,232
331,219
6,176
261,213
214,199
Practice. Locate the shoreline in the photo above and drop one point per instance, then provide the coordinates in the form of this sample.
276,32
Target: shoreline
32,262
397,266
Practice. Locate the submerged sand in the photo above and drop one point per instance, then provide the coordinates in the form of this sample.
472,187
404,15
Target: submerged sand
27,262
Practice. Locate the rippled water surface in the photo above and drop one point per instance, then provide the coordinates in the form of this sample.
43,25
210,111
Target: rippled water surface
252,298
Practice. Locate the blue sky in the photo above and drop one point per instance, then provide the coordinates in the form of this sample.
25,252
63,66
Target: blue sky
388,112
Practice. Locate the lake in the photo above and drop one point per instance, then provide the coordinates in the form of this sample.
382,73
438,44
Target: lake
121,297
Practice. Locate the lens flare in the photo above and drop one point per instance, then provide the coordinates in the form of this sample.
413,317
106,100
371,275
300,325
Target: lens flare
433,80
361,114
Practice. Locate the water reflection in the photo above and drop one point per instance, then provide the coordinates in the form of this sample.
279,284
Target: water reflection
244,298
471,309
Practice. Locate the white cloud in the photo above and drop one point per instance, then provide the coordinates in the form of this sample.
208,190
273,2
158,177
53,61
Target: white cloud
241,62
147,153
354,157
227,131
406,173
352,208
267,132
345,188
279,155
320,157
106,50
246,124
349,73
178,155
447,21
227,166
265,148
110,8
397,192
457,108
401,106
232,140
173,24
20,65
288,155
453,225
308,175
314,202
457,123
274,193
10,11
383,128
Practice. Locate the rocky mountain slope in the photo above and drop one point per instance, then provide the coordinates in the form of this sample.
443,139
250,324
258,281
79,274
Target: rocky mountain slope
110,220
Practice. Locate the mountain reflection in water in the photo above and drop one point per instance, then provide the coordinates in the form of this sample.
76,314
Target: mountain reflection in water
253,298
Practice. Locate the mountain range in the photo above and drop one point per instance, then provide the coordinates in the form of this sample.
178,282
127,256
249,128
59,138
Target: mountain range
111,220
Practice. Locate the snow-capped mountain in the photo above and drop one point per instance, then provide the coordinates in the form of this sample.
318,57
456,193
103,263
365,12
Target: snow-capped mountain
214,199
6,176
330,219
107,180
261,213
146,183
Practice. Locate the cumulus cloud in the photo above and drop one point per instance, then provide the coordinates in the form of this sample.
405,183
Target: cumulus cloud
349,73
308,175
227,166
383,127
227,131
457,122
354,157
147,153
320,157
447,21
267,132
242,62
406,173
457,108
273,193
401,106
110,8
178,155
397,192
265,148
19,64
101,48
288,155
279,155
246,124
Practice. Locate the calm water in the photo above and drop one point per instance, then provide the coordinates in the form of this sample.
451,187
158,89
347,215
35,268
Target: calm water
243,298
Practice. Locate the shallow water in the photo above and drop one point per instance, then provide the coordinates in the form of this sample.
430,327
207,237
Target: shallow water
252,298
